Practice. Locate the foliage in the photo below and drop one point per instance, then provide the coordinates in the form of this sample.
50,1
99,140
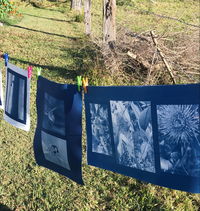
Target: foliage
7,8
58,45
79,18
9,13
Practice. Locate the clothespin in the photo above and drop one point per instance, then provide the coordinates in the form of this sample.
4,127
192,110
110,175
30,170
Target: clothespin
39,70
30,69
85,84
6,58
79,82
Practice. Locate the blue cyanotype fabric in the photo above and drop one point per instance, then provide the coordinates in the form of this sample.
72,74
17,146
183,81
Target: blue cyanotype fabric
57,142
151,133
1,92
17,100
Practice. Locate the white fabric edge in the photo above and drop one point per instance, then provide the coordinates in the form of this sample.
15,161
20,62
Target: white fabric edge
13,122
17,70
17,124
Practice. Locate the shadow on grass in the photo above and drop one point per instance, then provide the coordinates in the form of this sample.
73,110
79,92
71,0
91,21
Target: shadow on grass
144,199
47,33
4,208
56,70
60,5
84,58
112,187
52,19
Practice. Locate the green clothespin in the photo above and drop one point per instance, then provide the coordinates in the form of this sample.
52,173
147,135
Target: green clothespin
79,82
39,70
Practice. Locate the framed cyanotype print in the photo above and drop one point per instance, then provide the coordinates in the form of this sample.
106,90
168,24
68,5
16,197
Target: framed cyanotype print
17,101
151,133
57,142
1,92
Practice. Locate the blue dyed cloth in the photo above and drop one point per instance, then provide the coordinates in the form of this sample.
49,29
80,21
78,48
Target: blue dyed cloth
1,92
17,101
151,133
57,142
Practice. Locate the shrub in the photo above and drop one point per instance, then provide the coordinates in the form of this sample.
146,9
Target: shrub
79,18
7,8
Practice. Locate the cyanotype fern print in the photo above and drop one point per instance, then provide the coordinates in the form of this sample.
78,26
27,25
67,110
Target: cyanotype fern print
179,139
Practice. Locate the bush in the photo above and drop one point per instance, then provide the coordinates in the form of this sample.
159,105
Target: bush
7,8
79,18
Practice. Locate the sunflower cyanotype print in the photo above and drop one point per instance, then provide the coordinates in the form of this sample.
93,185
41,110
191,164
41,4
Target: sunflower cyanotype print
132,129
101,140
179,139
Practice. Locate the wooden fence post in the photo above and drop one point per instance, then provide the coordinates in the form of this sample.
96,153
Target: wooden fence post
76,5
87,10
109,22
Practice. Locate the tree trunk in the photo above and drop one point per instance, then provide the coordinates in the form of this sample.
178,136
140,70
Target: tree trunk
88,17
76,5
109,22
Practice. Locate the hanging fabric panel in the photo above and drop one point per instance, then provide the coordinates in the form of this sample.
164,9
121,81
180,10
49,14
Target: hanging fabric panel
57,142
17,102
151,133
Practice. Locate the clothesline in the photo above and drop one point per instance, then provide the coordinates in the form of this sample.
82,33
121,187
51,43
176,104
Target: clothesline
151,133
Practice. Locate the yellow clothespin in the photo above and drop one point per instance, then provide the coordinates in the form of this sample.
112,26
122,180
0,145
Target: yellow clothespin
85,84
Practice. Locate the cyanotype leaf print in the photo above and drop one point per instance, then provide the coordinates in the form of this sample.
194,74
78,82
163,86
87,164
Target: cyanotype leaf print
101,140
179,137
132,129
145,118
136,110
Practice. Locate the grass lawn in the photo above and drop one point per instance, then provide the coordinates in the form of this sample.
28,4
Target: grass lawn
50,38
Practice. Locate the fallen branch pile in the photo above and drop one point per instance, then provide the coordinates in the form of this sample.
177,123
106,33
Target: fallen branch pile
153,59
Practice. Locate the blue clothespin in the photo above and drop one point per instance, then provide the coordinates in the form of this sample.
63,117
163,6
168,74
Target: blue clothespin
79,82
6,58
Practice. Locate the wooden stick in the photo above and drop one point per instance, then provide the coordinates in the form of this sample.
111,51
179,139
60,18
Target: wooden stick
163,57
193,73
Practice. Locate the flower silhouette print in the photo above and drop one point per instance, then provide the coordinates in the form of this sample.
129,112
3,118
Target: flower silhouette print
179,139
55,150
53,119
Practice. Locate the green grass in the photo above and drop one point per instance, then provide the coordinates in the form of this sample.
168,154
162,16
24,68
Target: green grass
50,38
140,18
